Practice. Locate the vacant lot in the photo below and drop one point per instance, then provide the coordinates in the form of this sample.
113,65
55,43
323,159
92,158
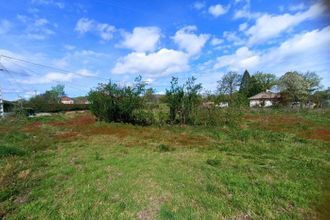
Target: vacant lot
275,165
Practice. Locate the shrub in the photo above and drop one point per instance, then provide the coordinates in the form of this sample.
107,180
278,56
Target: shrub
143,117
112,103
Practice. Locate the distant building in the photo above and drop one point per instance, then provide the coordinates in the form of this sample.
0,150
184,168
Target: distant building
208,104
82,101
265,99
67,100
223,105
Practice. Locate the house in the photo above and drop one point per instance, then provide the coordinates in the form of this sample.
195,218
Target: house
82,101
265,99
67,100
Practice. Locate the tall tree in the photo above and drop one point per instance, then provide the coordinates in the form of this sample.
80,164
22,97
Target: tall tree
298,86
174,98
191,98
294,85
313,81
229,83
245,83
265,80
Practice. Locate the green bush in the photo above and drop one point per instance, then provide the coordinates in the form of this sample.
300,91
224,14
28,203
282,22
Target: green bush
143,117
112,103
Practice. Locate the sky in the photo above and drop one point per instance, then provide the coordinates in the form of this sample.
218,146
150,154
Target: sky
82,43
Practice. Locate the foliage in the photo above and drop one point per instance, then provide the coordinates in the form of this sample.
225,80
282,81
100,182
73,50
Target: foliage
218,117
112,103
298,86
183,100
51,97
245,83
264,81
229,83
191,99
174,98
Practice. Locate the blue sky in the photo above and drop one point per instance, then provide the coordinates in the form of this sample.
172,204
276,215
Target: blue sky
93,41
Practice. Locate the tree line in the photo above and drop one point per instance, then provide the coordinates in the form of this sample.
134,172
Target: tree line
182,103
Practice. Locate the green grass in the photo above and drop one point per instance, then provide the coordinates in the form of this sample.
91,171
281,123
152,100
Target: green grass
115,171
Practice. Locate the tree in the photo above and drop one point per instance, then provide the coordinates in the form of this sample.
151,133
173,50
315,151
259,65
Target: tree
174,98
229,83
191,98
182,100
298,86
245,83
110,102
313,81
265,80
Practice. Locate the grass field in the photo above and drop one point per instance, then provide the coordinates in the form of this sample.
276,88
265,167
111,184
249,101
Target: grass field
274,166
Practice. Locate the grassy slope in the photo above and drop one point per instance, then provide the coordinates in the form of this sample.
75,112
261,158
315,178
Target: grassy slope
65,167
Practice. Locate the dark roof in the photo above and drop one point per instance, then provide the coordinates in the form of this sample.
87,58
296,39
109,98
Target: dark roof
266,95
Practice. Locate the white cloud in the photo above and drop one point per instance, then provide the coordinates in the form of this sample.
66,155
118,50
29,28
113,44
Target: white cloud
216,41
49,78
303,52
189,41
162,62
56,77
105,31
84,25
5,26
40,22
245,10
142,39
233,38
243,58
55,3
269,26
297,7
217,10
37,28
242,27
199,5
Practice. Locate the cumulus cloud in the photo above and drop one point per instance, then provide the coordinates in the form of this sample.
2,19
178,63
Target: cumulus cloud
162,62
142,39
103,30
269,26
242,58
309,49
189,41
217,10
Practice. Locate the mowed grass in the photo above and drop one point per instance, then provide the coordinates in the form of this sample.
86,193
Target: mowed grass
274,166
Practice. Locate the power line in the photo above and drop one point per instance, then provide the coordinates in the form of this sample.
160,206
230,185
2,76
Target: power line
50,67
